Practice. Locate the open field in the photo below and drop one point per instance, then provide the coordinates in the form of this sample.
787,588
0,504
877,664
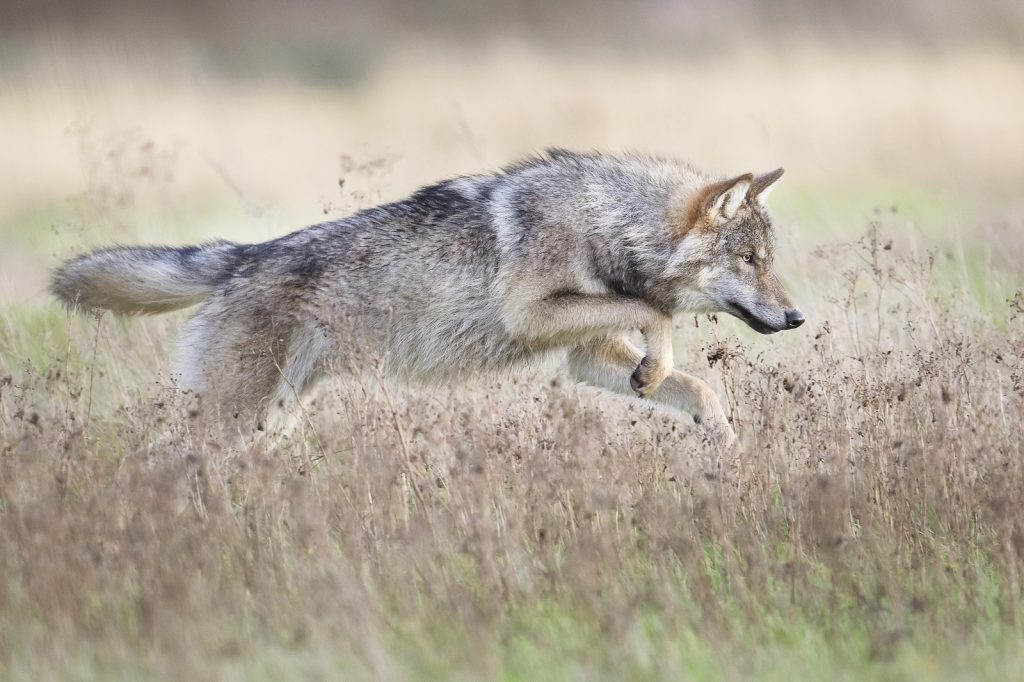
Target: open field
869,526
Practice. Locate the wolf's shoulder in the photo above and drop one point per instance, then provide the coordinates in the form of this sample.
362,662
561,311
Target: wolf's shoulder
560,158
553,169
630,164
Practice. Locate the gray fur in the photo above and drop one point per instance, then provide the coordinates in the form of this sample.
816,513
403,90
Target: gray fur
482,273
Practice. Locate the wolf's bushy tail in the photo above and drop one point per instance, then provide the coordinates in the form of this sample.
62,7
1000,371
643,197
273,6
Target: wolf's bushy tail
135,280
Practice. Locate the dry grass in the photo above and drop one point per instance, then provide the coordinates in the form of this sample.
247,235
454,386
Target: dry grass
870,523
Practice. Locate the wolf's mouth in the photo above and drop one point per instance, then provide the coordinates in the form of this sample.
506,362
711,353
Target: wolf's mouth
737,310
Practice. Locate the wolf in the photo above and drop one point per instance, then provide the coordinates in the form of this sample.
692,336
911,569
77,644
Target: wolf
559,256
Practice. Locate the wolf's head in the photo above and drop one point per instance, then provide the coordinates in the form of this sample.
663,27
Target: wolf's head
725,253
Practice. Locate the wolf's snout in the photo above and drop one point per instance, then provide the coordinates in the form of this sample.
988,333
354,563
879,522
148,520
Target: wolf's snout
794,318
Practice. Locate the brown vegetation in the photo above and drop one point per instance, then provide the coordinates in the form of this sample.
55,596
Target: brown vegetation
528,528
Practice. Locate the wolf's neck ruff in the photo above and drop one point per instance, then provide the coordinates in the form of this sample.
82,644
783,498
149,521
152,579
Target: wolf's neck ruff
556,256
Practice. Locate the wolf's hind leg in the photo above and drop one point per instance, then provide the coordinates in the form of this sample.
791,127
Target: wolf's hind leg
248,371
301,370
608,363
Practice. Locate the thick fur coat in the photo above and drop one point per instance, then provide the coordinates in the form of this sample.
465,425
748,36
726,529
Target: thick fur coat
559,255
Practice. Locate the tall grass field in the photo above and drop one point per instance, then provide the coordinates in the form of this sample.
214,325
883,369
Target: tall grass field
869,526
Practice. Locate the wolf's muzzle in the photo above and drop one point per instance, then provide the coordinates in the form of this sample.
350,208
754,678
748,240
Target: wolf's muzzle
752,320
794,318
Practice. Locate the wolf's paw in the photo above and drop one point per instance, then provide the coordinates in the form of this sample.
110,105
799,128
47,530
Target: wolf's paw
647,376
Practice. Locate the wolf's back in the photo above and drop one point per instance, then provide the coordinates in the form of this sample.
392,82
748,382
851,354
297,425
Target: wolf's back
134,280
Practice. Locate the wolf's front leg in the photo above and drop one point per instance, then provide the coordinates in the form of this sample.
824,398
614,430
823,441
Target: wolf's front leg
656,365
607,363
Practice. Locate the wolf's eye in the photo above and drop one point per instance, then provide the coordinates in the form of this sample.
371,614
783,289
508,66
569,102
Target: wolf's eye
748,258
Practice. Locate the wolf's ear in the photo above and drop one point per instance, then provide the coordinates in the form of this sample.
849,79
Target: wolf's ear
762,186
715,203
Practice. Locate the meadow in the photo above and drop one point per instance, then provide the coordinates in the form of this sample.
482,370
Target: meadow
869,526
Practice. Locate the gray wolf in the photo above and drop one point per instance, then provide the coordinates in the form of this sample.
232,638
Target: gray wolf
563,254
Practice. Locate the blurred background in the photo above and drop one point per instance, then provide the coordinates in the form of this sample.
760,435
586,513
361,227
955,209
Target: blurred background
164,121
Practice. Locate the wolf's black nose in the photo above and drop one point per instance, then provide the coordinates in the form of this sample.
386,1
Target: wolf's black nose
794,318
